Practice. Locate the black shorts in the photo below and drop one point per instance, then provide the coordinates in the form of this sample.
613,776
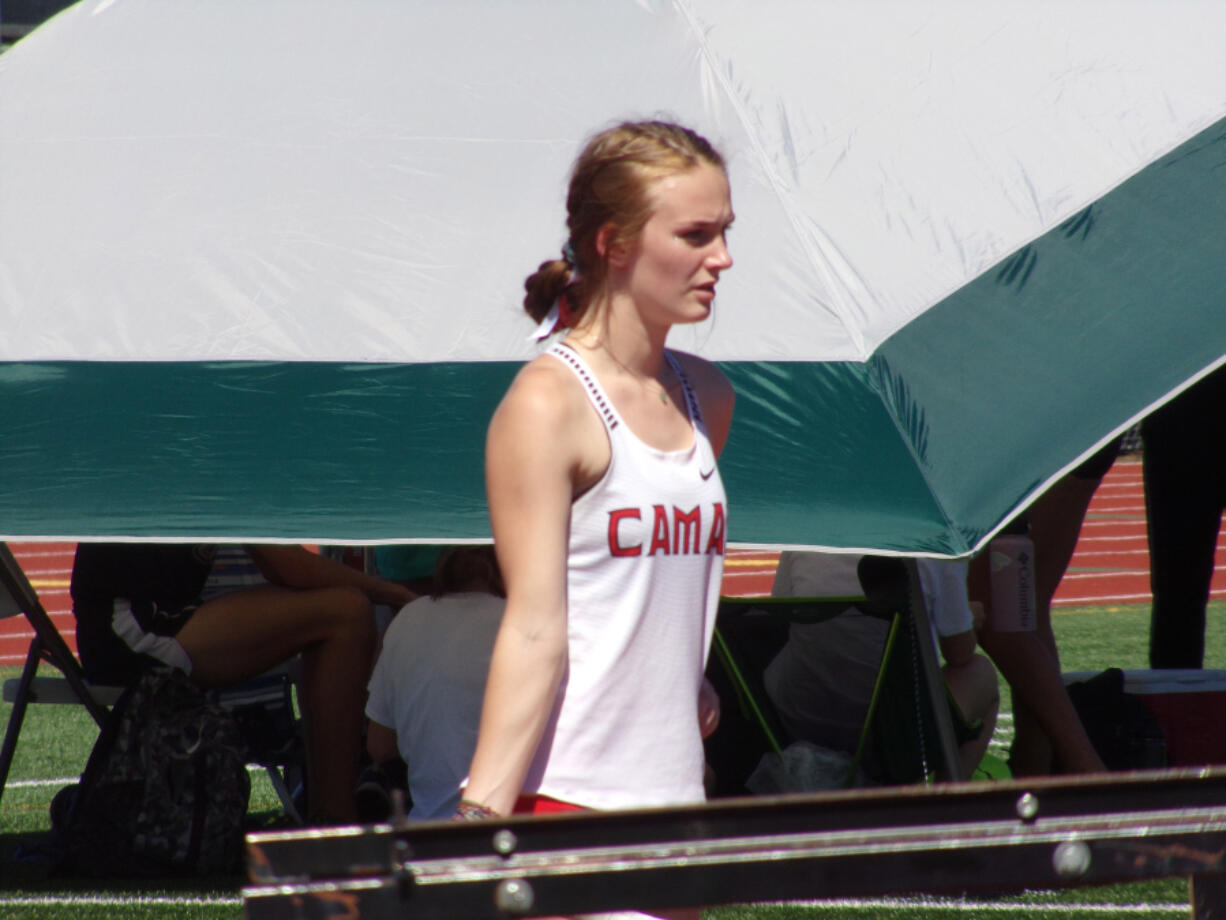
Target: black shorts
118,640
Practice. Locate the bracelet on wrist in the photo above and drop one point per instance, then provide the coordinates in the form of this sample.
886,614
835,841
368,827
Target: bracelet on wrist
469,810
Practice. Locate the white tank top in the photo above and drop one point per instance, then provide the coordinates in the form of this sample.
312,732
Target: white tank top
643,580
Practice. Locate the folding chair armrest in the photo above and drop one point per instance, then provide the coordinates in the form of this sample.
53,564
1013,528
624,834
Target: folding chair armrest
57,691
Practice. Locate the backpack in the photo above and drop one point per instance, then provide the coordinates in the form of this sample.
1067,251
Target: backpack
164,792
1123,730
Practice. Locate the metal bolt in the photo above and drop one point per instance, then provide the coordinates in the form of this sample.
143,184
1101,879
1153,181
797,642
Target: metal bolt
505,842
513,896
1071,859
1027,806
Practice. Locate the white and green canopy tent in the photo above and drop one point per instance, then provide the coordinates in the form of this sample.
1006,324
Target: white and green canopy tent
260,262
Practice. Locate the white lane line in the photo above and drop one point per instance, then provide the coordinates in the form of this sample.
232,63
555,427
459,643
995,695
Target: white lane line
998,907
1106,573
1113,553
36,783
66,900
1098,600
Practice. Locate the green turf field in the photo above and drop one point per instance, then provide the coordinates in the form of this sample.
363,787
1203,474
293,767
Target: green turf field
56,741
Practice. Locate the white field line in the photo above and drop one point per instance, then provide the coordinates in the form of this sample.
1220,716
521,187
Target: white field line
1028,908
68,900
35,783
64,781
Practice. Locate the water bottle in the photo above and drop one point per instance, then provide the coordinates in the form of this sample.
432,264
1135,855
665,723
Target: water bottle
1011,563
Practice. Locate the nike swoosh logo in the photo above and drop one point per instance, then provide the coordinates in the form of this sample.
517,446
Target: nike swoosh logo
707,474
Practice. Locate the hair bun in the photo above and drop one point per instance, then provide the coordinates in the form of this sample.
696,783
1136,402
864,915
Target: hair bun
545,286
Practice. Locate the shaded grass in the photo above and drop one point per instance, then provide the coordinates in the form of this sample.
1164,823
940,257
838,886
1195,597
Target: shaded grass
38,908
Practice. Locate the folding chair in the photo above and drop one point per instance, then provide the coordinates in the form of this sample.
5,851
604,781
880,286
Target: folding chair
17,596
908,701
249,700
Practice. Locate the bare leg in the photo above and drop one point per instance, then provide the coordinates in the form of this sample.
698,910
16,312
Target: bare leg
245,633
1045,723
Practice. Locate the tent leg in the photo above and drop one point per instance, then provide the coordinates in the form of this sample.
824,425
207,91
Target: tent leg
933,675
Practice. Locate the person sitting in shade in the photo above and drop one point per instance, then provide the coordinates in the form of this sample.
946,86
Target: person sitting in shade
428,684
821,681
139,606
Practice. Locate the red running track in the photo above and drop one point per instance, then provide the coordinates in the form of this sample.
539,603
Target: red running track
1110,565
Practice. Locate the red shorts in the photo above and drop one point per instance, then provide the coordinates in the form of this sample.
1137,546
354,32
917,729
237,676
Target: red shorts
543,805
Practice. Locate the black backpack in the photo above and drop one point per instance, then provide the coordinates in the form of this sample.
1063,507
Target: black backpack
165,790
1123,730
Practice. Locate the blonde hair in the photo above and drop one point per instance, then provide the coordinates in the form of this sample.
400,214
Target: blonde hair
609,186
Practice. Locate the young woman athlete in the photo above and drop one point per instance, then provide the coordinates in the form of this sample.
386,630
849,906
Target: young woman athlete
608,513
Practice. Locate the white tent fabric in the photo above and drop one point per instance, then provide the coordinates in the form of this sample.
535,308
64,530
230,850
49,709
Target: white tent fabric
237,180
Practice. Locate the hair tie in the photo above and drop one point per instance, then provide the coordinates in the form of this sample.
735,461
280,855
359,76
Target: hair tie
549,325
569,257
558,318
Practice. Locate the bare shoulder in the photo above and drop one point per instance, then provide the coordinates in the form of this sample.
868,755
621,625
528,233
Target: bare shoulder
544,394
715,395
545,418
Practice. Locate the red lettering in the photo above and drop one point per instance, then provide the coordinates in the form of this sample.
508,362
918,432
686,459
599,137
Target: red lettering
659,531
686,529
615,547
715,544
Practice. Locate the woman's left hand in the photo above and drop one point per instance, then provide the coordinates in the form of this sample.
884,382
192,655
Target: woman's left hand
708,709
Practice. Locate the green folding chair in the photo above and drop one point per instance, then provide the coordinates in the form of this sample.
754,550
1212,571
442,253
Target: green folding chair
909,724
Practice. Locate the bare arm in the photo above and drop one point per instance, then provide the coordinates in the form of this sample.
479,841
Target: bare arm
534,454
958,649
296,567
